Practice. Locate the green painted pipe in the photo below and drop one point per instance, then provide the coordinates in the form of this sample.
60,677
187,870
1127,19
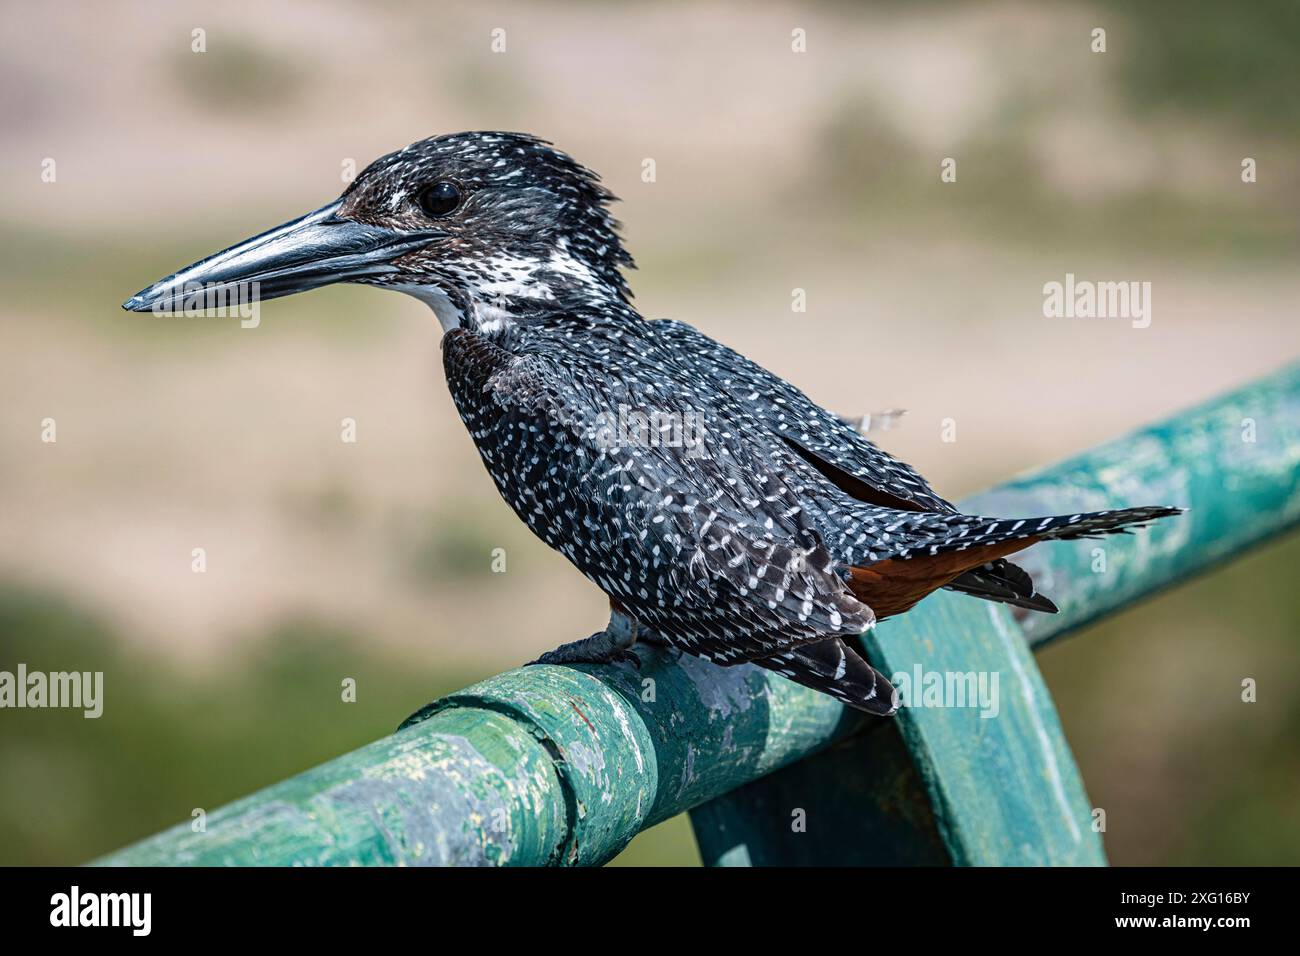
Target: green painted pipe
1234,461
560,765
542,765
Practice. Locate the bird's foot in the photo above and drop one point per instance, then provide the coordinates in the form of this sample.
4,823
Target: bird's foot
600,648
658,642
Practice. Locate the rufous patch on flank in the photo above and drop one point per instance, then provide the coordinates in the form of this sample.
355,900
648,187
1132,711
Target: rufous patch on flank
893,586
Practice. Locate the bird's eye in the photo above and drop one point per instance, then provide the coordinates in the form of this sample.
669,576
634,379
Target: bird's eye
440,199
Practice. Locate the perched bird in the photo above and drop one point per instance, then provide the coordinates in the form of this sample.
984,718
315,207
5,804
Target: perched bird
722,511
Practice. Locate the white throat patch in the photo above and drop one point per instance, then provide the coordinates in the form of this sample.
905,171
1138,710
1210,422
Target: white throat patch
449,316
492,284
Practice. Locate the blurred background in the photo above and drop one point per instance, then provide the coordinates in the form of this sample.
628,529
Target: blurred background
775,170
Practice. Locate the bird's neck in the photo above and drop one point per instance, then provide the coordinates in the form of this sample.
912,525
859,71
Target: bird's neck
495,294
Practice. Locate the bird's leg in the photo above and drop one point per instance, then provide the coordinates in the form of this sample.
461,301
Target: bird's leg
610,646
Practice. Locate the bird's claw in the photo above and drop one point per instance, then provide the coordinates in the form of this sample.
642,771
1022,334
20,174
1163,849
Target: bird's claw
597,649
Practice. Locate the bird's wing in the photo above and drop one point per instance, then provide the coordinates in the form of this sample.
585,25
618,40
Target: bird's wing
703,539
836,447
834,668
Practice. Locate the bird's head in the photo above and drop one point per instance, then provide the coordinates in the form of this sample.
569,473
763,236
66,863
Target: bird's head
487,228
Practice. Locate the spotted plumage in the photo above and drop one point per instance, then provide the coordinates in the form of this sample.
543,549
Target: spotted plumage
735,519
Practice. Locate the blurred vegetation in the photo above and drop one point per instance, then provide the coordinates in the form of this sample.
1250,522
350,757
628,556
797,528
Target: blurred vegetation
1238,61
235,74
447,545
1015,207
1223,64
172,739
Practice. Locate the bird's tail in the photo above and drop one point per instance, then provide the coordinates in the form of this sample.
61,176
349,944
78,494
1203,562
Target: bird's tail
1006,583
932,551
1000,580
832,667
960,532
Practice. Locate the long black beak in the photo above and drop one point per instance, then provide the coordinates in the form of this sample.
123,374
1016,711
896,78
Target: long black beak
316,250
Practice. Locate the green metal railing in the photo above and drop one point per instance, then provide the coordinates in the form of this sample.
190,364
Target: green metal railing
564,765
